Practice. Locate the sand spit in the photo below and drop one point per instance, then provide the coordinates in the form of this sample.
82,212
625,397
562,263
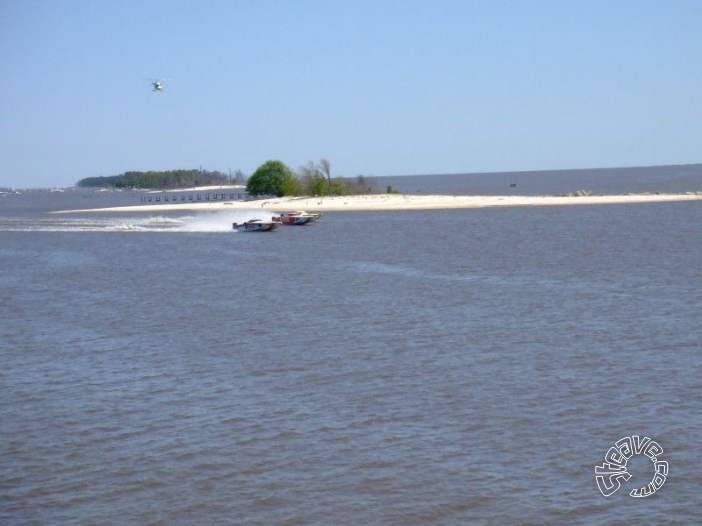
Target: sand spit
399,202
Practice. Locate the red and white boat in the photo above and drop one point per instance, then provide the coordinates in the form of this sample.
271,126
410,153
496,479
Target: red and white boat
298,218
256,225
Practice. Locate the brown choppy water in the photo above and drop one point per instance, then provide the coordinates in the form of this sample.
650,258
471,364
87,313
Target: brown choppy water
450,367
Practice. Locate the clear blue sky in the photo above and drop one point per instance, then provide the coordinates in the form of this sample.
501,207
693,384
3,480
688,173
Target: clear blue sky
376,87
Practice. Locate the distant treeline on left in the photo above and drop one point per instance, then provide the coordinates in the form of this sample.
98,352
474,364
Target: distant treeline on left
162,180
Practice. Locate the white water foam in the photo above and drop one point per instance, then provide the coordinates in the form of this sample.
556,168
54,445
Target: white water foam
219,222
209,222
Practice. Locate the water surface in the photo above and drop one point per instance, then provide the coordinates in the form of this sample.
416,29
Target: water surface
442,367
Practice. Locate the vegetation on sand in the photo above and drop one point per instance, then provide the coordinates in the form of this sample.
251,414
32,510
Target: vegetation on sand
275,178
272,178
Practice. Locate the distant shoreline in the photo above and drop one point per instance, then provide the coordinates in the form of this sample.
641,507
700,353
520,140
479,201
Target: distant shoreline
374,202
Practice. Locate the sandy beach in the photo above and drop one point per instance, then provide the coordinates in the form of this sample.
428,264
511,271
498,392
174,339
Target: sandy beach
398,202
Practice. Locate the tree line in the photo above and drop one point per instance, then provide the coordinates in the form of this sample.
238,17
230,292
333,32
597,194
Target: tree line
271,178
170,179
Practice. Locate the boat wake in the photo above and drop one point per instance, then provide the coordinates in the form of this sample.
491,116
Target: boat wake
210,222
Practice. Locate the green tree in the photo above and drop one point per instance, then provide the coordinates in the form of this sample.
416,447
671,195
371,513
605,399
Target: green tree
312,181
325,167
272,178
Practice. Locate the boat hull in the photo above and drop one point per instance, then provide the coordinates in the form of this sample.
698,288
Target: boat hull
298,218
256,225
